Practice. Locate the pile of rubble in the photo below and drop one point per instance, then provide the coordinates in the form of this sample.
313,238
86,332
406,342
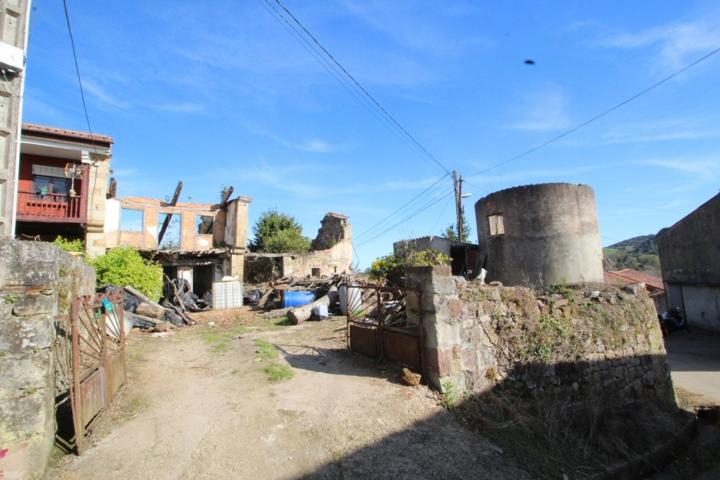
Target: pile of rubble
143,313
299,299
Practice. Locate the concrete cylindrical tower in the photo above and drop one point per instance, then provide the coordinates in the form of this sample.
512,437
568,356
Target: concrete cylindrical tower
540,235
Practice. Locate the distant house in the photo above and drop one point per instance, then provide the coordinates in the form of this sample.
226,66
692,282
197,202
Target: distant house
653,284
62,185
465,256
690,261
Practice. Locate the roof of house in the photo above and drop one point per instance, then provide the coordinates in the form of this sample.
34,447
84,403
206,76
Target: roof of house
628,275
64,134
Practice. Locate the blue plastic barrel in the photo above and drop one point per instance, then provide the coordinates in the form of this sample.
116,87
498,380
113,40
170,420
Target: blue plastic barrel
295,298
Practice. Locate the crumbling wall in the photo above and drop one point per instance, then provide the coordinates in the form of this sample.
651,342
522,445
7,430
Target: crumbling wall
332,253
37,283
574,343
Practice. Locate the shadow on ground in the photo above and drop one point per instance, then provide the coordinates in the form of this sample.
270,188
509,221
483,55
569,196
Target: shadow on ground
579,433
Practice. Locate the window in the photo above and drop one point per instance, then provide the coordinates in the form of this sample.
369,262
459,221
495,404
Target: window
171,238
131,220
497,227
204,224
51,185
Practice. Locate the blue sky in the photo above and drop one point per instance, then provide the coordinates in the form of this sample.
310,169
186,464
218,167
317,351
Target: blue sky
219,93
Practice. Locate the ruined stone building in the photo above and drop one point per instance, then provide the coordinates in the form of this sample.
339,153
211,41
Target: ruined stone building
203,242
540,235
690,262
331,252
62,185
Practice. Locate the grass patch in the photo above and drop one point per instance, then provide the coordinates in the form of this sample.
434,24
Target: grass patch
283,321
265,349
220,341
277,372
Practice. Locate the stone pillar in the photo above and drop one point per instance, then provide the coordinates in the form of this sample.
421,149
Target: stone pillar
37,283
437,288
96,210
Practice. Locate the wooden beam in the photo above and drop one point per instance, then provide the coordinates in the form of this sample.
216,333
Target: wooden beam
226,196
168,217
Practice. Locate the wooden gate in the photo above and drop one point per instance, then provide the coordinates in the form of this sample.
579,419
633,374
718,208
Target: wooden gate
378,326
91,366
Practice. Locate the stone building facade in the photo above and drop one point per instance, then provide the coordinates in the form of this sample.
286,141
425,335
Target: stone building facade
538,235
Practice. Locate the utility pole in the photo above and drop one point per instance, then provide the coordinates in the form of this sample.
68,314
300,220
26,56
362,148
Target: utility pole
457,186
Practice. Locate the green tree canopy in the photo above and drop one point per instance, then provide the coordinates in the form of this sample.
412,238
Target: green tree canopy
277,232
451,231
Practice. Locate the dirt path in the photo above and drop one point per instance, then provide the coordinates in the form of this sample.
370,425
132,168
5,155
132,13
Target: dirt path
202,408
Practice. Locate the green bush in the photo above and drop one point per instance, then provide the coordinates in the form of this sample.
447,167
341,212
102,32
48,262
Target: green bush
74,246
392,266
124,266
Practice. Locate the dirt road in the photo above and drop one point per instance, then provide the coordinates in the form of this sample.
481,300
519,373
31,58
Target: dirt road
694,359
200,406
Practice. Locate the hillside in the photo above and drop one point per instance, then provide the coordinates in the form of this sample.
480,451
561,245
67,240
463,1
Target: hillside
639,253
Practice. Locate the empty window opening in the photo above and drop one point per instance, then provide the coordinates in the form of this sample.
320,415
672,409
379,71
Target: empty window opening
497,227
131,220
315,272
204,224
171,238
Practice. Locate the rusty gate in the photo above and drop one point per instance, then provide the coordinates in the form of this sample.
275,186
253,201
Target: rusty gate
378,326
91,366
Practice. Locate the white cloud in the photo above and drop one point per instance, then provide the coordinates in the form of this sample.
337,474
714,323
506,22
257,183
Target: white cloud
182,107
706,169
104,98
678,42
543,110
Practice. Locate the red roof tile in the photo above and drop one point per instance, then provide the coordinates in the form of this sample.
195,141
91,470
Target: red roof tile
628,275
62,132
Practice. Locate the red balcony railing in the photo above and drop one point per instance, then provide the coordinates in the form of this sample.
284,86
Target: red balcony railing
51,207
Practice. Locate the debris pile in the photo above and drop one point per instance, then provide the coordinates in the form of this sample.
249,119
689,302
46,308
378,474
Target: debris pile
143,313
299,298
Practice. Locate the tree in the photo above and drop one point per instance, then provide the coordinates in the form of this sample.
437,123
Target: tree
451,231
277,232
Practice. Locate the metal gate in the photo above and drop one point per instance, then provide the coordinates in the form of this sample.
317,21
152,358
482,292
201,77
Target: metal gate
379,326
91,366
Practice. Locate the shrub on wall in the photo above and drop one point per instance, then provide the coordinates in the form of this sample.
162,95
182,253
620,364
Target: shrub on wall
124,266
72,246
392,267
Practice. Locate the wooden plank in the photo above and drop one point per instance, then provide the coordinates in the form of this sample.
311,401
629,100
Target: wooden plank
168,217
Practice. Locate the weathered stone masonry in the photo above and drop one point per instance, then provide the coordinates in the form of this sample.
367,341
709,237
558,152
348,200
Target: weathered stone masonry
563,344
37,283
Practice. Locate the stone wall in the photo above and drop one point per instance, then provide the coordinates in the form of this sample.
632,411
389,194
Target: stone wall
575,342
37,283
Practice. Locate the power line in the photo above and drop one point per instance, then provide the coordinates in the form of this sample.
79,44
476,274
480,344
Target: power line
401,207
364,90
414,214
602,114
329,67
77,67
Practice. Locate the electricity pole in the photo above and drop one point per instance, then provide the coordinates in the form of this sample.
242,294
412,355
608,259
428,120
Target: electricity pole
457,186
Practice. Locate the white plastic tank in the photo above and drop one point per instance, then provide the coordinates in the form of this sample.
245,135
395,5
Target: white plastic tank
350,298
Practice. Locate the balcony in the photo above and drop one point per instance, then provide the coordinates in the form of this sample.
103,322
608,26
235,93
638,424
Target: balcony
50,207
